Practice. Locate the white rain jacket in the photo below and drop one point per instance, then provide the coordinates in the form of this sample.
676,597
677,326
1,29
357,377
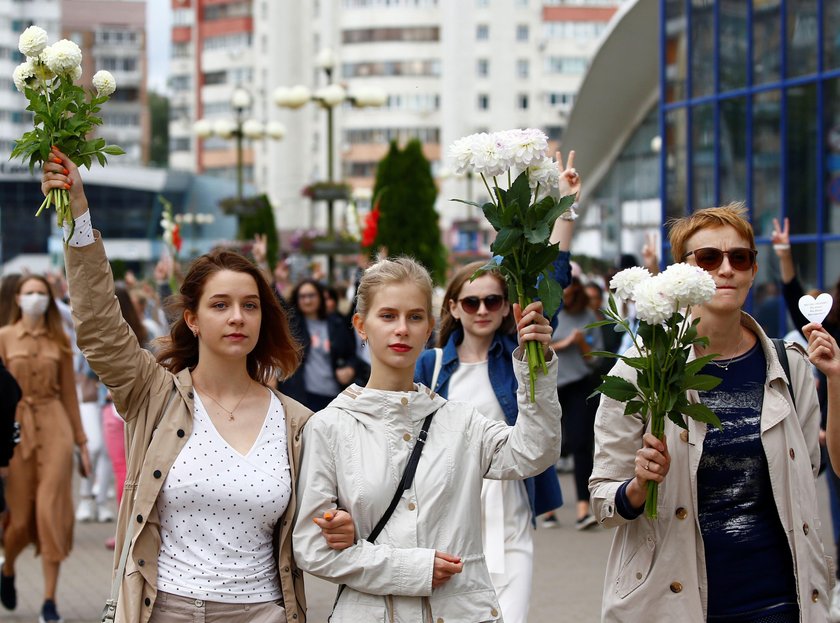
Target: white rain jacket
355,452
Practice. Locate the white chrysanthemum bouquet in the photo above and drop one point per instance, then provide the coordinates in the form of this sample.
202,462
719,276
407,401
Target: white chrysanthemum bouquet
522,211
663,343
63,113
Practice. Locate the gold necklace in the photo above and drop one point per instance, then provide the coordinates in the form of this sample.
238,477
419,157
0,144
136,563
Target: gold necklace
221,406
728,363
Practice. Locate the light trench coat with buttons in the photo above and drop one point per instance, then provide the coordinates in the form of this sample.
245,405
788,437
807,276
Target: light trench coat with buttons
158,408
355,452
656,569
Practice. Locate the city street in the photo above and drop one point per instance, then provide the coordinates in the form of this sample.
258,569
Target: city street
568,577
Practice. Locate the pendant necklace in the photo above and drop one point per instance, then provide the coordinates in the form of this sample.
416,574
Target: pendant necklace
735,356
229,412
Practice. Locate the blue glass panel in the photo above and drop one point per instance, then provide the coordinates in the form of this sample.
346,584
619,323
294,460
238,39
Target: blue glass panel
703,156
702,47
733,44
802,28
766,160
831,34
767,51
831,145
675,50
676,163
801,158
732,167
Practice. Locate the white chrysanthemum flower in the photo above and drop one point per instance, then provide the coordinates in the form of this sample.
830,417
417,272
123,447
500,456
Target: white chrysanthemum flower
24,75
76,73
688,285
654,304
62,56
527,147
42,70
625,282
489,155
461,152
32,41
545,173
104,83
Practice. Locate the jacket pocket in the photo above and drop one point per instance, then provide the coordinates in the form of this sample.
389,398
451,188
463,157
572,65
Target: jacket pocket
481,605
635,570
358,613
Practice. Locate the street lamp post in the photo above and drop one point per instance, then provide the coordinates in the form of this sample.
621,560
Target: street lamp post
328,97
239,128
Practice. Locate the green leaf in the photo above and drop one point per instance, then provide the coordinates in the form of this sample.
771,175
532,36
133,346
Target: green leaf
550,293
634,406
538,234
693,367
102,159
599,323
113,150
701,413
618,389
639,363
506,241
520,192
700,382
558,208
677,418
493,215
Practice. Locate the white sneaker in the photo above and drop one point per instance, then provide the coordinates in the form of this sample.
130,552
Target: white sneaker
86,511
834,608
104,514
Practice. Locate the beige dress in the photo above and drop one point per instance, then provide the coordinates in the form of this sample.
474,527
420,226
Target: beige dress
39,486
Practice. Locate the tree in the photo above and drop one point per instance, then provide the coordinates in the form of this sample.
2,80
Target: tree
159,130
405,194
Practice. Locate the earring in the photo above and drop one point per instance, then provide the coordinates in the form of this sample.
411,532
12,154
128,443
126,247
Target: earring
364,343
195,333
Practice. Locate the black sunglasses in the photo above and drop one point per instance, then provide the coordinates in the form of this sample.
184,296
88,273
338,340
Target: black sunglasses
471,304
709,258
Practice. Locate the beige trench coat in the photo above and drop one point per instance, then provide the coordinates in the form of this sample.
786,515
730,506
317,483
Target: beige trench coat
157,407
656,569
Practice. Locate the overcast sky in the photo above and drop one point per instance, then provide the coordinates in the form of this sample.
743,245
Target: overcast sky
158,25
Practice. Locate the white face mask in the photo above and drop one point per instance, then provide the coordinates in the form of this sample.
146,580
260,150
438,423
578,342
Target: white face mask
34,304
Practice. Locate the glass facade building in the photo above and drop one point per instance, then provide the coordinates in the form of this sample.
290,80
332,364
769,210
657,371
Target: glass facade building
750,111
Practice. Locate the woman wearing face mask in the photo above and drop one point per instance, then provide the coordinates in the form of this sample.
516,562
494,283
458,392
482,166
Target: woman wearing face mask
37,352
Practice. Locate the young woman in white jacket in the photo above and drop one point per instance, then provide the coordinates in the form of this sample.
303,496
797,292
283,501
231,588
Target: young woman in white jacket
427,564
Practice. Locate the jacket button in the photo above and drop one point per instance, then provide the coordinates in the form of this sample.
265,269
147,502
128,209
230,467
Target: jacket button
792,454
294,616
157,473
181,432
190,395
411,506
676,587
141,563
815,595
805,528
684,436
407,437
404,401
638,575
147,601
494,613
681,513
286,569
139,518
440,620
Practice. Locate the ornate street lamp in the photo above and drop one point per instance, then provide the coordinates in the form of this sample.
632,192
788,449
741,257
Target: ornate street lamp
239,128
328,97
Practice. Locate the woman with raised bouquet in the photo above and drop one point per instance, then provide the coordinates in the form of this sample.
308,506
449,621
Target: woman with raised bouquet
716,516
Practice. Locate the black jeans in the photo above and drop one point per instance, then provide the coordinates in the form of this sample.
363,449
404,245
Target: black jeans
579,429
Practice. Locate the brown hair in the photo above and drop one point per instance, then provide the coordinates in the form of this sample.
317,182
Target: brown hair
276,350
52,317
733,215
130,313
390,271
294,299
8,287
449,323
575,298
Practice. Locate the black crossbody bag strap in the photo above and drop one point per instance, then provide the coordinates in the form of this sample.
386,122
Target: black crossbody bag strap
405,484
783,359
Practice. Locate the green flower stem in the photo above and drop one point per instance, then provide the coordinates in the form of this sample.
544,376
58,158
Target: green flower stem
45,203
487,186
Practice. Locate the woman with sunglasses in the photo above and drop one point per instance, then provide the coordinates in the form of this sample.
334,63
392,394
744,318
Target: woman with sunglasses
737,536
477,336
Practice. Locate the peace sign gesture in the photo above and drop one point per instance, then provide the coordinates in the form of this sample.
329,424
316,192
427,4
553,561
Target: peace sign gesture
781,237
569,183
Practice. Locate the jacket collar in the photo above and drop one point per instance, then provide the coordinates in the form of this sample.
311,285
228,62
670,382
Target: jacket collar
364,403
22,330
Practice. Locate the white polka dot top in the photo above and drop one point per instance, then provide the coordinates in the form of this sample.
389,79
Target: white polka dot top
218,510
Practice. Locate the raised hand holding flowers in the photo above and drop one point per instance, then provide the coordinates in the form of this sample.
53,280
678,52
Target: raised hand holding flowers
523,212
663,342
64,115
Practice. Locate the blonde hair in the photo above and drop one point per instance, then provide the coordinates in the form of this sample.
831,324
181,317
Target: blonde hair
390,271
733,215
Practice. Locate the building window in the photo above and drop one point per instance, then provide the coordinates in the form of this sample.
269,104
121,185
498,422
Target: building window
522,32
522,101
482,68
482,32
522,68
565,65
482,4
483,101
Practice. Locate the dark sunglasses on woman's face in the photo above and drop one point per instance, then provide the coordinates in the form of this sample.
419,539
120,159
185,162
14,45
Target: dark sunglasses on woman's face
471,304
709,258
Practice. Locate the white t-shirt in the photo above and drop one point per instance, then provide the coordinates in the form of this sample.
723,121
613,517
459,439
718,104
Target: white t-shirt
218,509
505,512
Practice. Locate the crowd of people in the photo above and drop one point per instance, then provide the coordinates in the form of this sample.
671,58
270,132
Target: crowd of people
255,429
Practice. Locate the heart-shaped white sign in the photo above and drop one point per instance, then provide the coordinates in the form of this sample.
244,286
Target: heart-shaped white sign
816,309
